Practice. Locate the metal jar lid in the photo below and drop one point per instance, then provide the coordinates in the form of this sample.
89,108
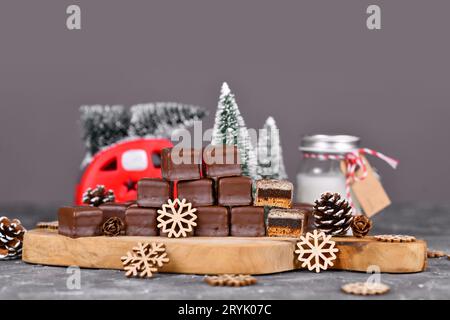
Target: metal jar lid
321,143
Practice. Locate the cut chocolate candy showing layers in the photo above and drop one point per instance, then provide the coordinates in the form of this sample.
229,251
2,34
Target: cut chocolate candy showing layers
234,191
212,221
198,192
153,193
274,193
308,212
80,221
221,161
286,222
179,164
141,222
247,221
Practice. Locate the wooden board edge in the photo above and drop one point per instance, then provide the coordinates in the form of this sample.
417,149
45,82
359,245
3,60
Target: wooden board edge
351,250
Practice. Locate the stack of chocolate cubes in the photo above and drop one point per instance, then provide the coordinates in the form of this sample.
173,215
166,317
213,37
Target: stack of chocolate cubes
210,179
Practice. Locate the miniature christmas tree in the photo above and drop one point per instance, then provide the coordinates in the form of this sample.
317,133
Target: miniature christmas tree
270,154
229,128
103,125
162,118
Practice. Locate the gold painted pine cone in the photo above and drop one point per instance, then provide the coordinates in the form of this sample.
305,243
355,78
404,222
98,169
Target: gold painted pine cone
113,227
361,226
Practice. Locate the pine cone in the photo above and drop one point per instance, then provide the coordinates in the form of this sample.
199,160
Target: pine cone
361,226
113,227
11,238
97,196
332,214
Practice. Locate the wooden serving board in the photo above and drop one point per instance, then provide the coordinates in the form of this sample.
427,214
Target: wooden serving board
216,255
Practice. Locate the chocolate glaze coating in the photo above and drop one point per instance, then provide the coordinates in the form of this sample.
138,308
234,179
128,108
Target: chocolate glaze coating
198,192
247,221
141,221
83,221
235,191
113,209
153,193
181,164
212,221
221,161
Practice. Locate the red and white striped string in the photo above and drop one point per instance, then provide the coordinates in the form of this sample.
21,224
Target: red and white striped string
353,161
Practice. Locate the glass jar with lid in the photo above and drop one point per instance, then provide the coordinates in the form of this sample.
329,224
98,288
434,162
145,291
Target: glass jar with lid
320,173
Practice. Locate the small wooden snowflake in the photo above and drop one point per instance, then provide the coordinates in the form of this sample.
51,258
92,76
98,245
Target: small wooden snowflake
365,288
436,254
177,218
231,280
394,238
145,259
316,251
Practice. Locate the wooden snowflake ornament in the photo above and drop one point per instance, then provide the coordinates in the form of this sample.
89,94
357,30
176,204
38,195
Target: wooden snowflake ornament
394,238
177,218
365,288
231,280
316,251
145,259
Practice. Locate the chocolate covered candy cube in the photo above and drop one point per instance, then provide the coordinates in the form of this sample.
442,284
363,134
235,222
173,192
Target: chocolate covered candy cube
274,193
112,209
247,221
212,221
179,164
234,191
221,161
153,193
141,221
80,221
308,212
198,192
285,222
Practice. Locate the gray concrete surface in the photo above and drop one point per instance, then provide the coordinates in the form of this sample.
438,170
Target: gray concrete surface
23,281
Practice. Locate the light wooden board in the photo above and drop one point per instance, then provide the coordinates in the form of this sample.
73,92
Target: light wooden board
209,255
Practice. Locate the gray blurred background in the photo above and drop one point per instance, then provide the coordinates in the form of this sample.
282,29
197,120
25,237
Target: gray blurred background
313,65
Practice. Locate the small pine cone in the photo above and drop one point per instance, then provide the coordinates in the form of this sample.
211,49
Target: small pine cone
98,195
113,227
332,214
11,238
361,226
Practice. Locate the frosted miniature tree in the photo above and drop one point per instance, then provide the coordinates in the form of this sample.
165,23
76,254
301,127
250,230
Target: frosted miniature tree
103,125
162,118
229,128
270,154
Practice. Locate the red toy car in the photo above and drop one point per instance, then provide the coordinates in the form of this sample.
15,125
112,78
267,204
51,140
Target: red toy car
121,166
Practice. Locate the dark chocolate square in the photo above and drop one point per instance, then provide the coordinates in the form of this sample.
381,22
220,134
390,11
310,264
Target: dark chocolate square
198,192
112,209
153,193
221,161
235,191
247,221
83,221
212,221
179,164
141,222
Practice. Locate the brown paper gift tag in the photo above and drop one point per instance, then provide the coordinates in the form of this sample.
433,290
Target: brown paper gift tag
369,192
